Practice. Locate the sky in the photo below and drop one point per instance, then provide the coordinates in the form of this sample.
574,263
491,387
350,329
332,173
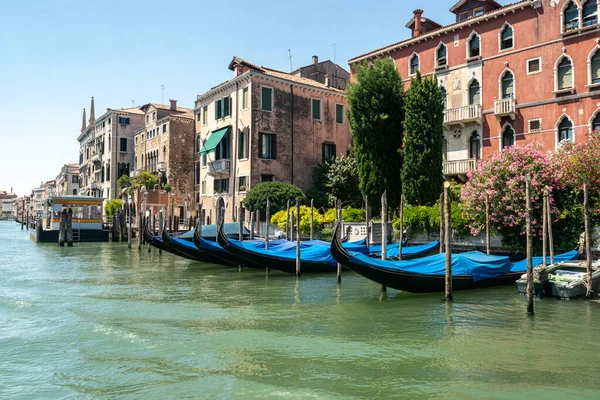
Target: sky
56,54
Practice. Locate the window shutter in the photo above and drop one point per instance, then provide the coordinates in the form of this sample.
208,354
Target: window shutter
261,139
507,33
240,144
217,109
334,152
273,147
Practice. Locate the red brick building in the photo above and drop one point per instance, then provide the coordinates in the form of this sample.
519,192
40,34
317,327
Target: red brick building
514,73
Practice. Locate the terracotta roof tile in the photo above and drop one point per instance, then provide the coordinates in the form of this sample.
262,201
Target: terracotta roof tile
298,79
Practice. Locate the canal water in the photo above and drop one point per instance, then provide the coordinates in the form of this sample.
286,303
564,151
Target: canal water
99,321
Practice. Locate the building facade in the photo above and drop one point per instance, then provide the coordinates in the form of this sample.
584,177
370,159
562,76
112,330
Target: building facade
264,125
512,74
67,181
164,146
106,150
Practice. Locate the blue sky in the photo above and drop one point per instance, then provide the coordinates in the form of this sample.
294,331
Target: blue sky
56,54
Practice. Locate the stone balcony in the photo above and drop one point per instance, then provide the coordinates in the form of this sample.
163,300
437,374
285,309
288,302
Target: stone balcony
96,157
219,168
463,115
505,108
459,168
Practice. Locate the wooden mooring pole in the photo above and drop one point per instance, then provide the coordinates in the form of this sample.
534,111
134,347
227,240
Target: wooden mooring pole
588,245
69,232
129,230
545,229
161,219
287,221
338,212
62,228
298,237
447,238
312,217
384,230
529,245
368,221
257,221
241,223
442,222
268,218
401,226
550,234
487,223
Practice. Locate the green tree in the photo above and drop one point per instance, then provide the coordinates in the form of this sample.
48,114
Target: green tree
342,181
124,182
111,206
145,178
422,175
376,112
318,193
278,194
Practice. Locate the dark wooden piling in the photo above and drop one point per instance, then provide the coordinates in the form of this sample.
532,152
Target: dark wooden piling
252,224
545,229
115,228
487,224
62,227
161,221
384,230
241,223
368,220
447,240
22,217
312,217
257,222
268,221
129,222
550,234
529,246
69,227
442,222
287,221
588,243
401,226
27,220
298,237
338,210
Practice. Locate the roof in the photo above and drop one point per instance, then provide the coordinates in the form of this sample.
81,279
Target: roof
424,20
320,62
436,32
181,111
240,61
461,3
298,79
131,110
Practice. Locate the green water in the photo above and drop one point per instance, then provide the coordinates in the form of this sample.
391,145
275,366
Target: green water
99,321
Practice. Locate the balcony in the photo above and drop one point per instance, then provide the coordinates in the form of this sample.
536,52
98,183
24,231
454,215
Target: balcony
463,115
96,157
505,108
219,167
459,168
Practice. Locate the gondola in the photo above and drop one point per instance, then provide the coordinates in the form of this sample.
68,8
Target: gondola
472,270
189,250
216,251
157,242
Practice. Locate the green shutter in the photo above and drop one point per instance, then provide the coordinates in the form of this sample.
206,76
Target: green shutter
217,109
507,33
507,85
267,97
273,138
339,113
316,109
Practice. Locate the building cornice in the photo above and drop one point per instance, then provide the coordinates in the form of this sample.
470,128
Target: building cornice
511,8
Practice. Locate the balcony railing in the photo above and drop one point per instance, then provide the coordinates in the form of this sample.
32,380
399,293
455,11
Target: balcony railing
505,107
219,167
463,115
96,157
459,167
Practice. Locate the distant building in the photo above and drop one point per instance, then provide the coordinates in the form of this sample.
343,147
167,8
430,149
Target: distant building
265,125
526,71
164,146
67,181
324,70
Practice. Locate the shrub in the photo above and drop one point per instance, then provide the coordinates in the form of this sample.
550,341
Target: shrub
278,194
112,206
280,217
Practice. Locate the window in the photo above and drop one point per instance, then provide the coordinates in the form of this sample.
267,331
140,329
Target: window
595,67
413,64
245,98
164,128
508,88
154,116
221,185
266,178
124,121
203,187
441,56
473,44
147,118
242,183
74,192
136,140
534,66
328,152
243,148
596,122
123,146
590,13
565,130
267,99
474,93
204,155
444,96
508,136
506,37
204,115
565,74
571,18
535,125
267,146
316,109
218,109
226,106
464,15
339,113
75,179
198,117
196,173
474,145
478,11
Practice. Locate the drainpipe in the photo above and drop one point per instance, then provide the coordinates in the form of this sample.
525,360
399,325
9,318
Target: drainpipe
232,151
292,138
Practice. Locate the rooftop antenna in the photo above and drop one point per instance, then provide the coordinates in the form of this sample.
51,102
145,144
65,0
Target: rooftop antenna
133,103
290,53
162,98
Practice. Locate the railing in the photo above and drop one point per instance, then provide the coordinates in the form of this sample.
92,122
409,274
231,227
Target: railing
505,107
219,167
459,167
463,114
96,157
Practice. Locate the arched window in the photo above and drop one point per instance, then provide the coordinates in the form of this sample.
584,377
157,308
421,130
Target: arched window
142,166
444,96
595,67
590,13
506,37
565,74
441,58
474,146
508,85
508,137
565,130
107,172
474,93
473,45
596,122
74,192
135,163
414,64
570,17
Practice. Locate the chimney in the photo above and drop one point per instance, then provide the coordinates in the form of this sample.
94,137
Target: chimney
315,60
173,105
239,69
327,80
417,30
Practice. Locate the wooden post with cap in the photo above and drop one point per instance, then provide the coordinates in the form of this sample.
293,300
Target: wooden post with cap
338,211
442,222
401,226
588,246
447,237
268,217
312,217
550,234
298,238
487,224
529,245
384,230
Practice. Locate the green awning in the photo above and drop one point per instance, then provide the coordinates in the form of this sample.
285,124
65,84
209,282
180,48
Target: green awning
213,140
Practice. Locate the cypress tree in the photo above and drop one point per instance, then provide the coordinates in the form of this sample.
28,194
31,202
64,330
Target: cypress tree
376,113
422,173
